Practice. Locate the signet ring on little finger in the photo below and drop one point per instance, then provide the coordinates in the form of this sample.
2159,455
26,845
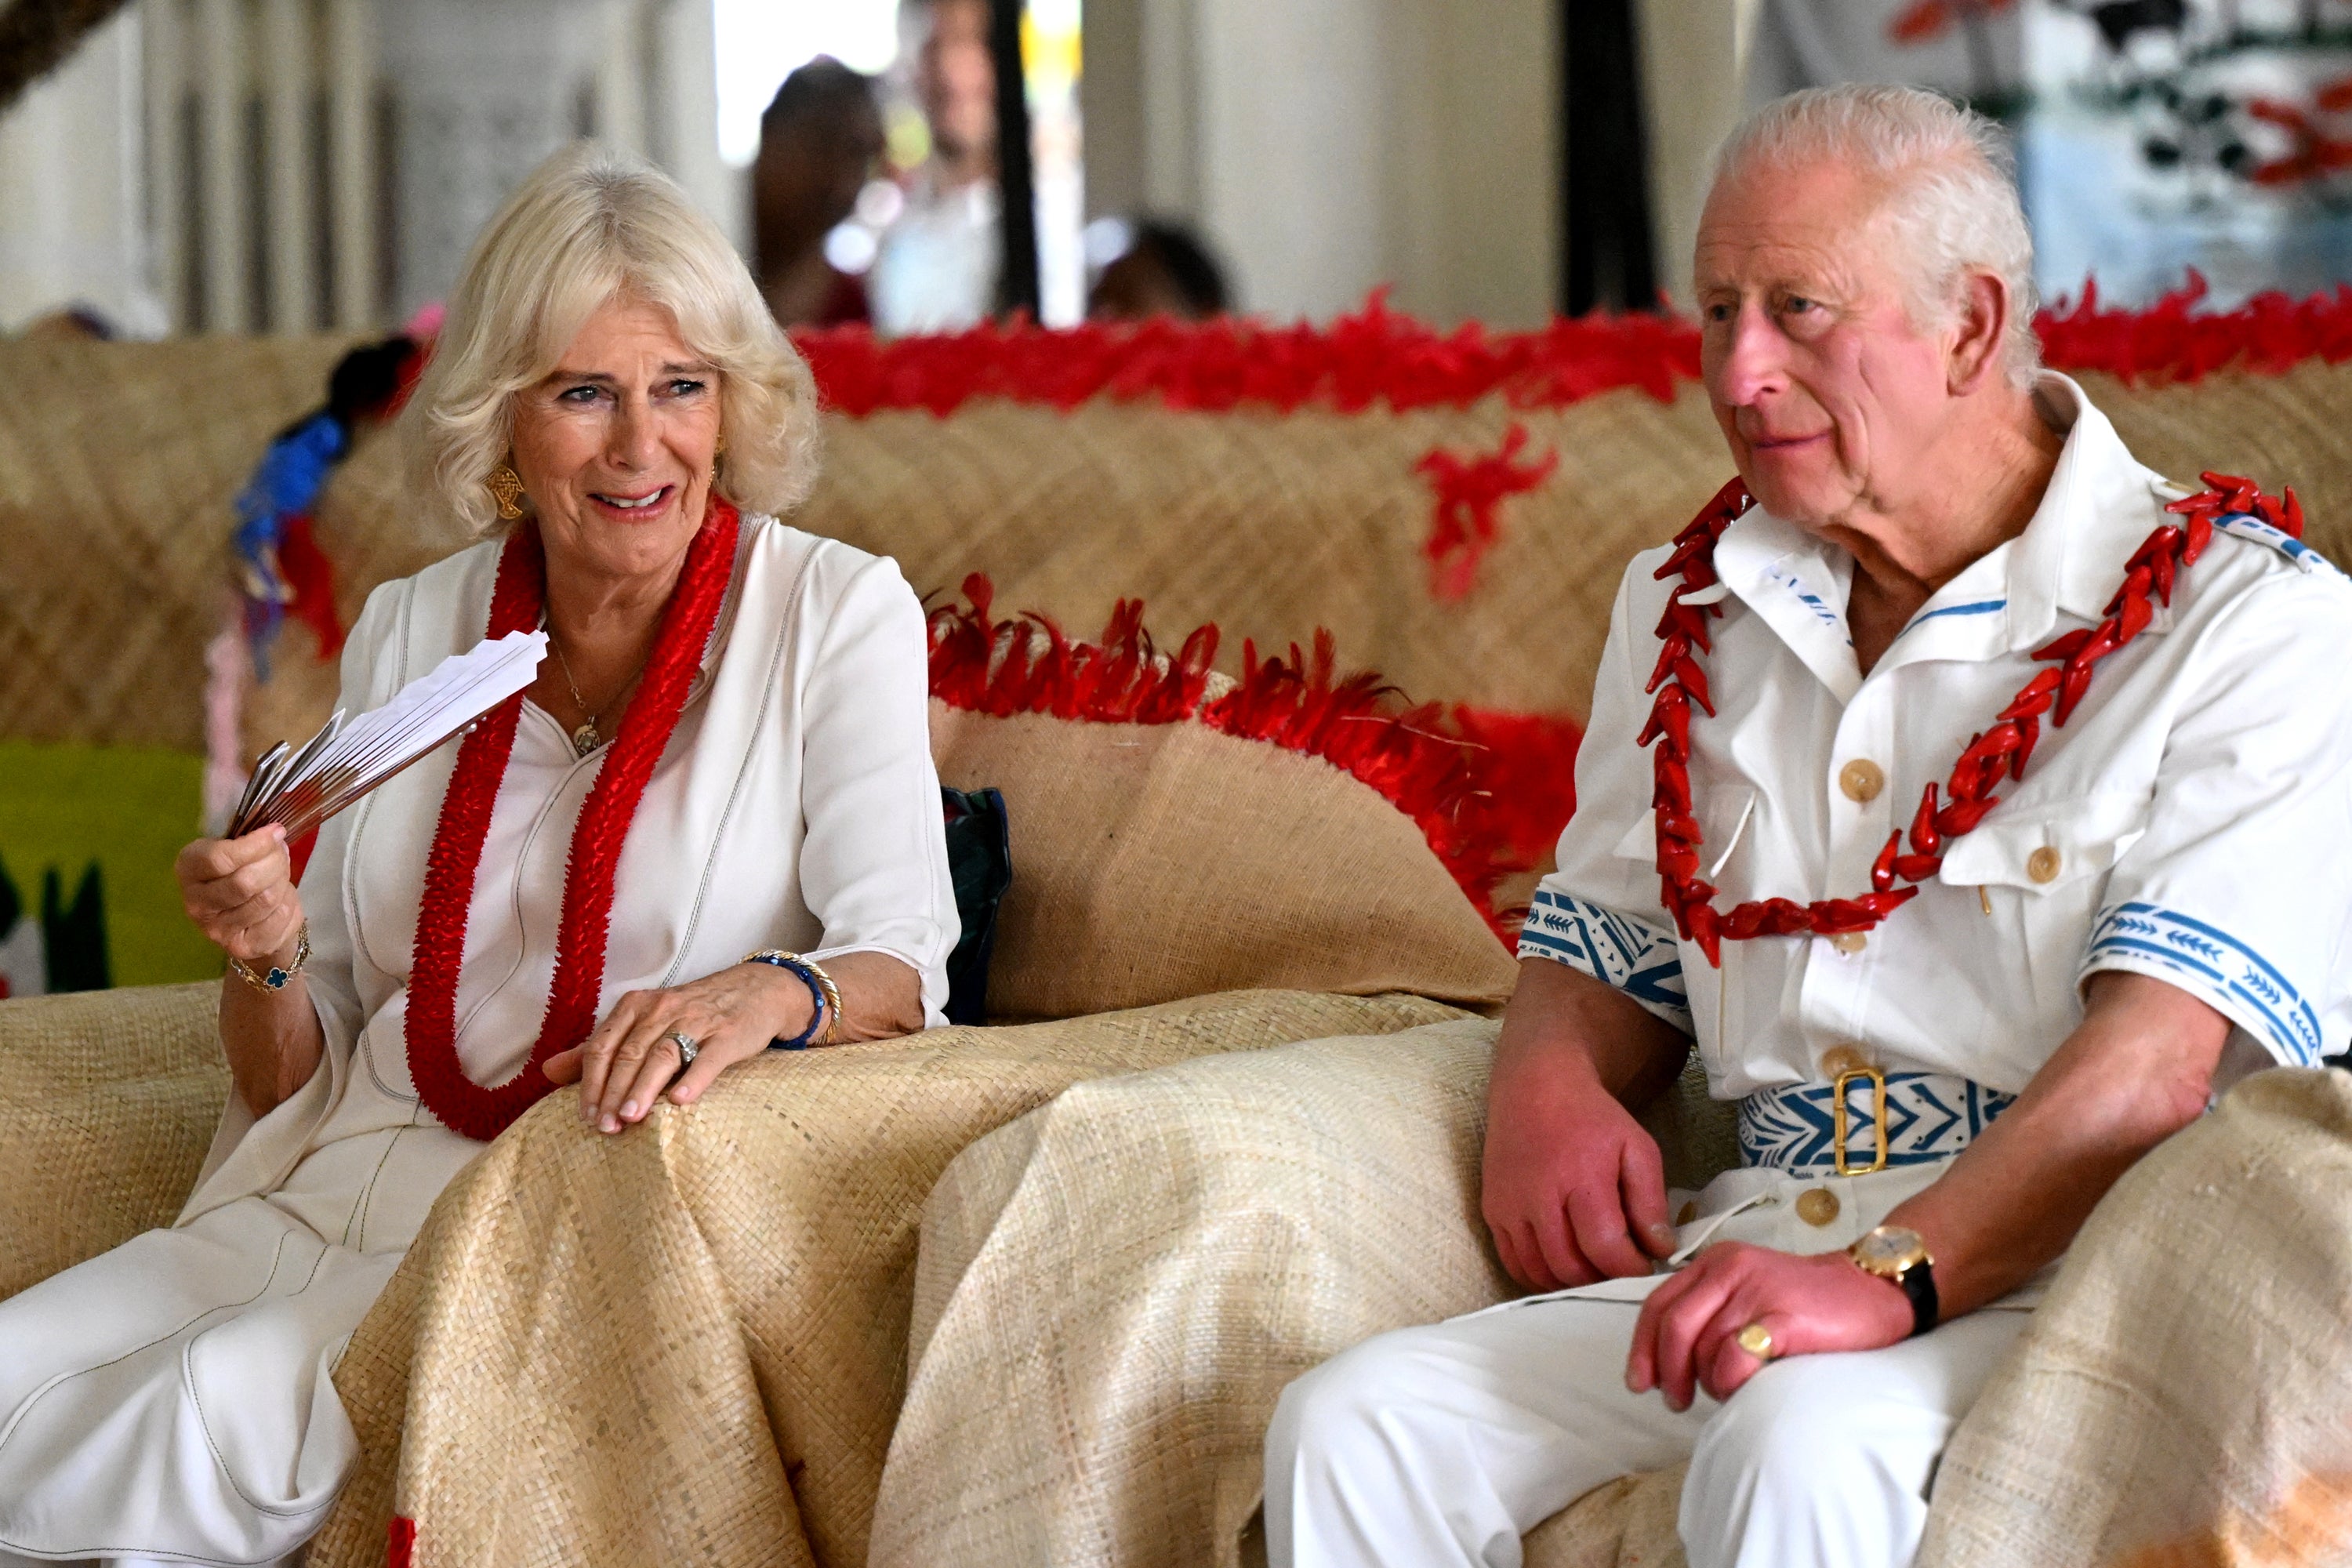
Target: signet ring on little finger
1757,1340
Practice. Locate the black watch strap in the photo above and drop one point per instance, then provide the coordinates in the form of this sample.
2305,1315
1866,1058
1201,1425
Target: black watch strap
1918,1282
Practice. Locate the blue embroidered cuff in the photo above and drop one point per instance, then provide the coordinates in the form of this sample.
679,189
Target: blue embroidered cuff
1630,955
2211,963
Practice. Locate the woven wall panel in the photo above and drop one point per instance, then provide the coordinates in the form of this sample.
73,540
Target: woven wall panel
118,465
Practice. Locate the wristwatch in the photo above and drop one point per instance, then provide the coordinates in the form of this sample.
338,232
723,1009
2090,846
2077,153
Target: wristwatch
1897,1254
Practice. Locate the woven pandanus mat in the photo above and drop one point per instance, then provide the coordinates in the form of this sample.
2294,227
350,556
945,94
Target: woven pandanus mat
106,1100
1273,524
118,463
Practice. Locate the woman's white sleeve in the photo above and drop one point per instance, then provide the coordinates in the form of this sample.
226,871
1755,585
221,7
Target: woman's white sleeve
370,674
874,865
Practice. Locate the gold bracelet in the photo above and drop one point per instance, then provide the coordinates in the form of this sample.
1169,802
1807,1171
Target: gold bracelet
277,979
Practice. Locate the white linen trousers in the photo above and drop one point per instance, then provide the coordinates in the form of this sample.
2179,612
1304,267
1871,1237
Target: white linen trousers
173,1398
1441,1445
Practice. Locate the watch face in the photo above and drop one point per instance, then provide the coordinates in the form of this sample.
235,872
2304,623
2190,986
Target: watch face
1890,1249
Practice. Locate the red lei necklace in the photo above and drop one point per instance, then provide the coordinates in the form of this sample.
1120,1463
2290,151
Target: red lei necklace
2003,749
516,605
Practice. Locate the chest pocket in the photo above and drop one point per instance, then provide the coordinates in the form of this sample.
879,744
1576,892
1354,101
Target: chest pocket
1727,816
2040,873
1717,996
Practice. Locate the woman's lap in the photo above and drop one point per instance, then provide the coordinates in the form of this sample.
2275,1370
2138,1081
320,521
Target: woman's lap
172,1395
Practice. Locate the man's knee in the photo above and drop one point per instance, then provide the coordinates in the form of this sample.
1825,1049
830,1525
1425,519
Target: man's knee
1810,1450
1353,1402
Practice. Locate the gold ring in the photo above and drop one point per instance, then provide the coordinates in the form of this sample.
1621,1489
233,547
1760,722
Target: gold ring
1757,1340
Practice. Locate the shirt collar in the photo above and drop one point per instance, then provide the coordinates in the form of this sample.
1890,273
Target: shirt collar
1798,584
2099,505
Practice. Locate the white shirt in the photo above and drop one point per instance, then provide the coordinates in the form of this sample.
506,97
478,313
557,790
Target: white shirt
796,806
2198,804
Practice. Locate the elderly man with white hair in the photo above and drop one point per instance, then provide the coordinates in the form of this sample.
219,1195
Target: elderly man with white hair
1955,783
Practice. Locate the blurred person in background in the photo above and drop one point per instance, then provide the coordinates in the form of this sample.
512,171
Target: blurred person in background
820,139
1165,270
937,265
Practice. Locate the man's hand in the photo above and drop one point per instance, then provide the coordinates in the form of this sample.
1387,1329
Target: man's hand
1688,1333
1573,1188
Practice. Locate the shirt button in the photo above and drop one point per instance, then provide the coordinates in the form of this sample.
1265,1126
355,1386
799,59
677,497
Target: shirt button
1843,1058
1817,1207
1861,779
2044,864
1849,942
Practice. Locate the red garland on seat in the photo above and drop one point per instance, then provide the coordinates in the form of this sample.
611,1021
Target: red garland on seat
1380,356
1029,665
1993,753
516,605
1467,516
1528,768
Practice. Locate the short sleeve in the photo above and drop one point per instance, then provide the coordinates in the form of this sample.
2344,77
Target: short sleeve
873,864
2236,892
1599,913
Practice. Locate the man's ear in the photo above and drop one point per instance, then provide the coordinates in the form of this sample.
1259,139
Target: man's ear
1977,332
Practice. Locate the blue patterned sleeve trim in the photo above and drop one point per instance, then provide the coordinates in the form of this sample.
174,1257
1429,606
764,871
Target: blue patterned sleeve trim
1619,951
2216,965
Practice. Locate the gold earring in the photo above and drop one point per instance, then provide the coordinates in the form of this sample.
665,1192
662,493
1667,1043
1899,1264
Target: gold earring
506,488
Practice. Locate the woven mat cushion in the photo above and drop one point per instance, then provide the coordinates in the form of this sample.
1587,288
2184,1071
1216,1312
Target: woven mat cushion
2180,1400
1157,861
687,1343
107,1102
1213,1229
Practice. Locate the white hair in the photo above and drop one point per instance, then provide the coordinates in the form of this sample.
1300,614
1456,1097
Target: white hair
589,225
1952,199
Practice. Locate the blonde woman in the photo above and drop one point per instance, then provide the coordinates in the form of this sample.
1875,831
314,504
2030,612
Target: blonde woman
710,826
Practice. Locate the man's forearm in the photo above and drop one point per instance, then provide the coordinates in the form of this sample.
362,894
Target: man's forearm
1561,1021
2137,1070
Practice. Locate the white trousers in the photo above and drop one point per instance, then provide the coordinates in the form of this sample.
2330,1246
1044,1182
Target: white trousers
171,1398
1443,1444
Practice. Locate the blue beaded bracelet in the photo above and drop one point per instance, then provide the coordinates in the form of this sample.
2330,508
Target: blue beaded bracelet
817,989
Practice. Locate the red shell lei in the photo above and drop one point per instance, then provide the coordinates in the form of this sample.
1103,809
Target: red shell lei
2001,750
515,603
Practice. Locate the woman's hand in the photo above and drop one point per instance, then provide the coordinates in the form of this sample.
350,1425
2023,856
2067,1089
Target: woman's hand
730,1016
1688,1333
241,893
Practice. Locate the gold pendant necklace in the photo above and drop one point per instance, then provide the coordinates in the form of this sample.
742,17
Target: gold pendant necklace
586,738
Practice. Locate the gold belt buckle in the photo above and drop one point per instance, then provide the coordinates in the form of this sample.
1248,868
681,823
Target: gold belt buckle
1838,1119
